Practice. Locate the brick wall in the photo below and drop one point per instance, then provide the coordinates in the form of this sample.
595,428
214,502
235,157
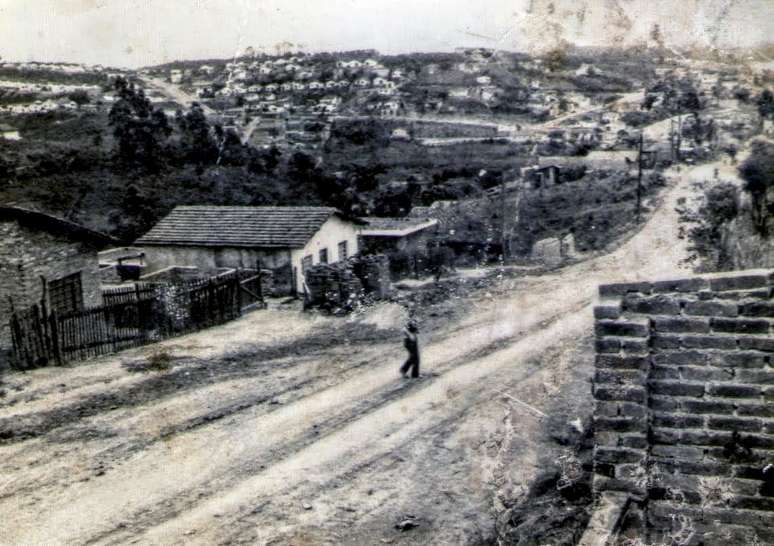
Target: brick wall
26,255
684,417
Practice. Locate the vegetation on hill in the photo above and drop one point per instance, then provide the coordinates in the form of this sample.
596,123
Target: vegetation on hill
46,76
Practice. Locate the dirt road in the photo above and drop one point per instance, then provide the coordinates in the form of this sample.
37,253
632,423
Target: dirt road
175,93
283,428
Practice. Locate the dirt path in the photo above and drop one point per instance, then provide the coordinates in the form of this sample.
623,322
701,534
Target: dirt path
176,94
285,428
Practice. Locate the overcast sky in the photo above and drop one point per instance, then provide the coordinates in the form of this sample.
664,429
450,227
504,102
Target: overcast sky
132,33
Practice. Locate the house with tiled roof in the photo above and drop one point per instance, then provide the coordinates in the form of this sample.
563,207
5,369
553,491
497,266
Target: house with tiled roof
286,240
397,234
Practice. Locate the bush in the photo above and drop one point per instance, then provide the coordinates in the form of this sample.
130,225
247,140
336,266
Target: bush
159,361
720,207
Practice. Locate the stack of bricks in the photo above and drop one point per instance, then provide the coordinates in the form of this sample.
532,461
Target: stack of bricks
332,284
684,417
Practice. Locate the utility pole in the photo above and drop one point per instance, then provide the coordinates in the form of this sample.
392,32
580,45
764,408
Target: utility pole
503,243
639,179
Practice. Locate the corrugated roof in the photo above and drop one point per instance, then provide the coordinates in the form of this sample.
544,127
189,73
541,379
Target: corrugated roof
379,222
381,226
265,227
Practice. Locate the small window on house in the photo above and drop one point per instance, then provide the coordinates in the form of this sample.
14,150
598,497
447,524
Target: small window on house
306,263
343,251
323,255
65,295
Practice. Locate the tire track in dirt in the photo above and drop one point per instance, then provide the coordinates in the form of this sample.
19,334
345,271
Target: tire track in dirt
227,478
181,379
116,454
367,436
152,516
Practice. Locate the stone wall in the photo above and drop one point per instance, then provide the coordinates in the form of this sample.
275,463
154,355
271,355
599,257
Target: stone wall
684,416
28,255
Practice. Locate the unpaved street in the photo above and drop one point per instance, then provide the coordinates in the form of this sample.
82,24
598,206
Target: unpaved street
293,429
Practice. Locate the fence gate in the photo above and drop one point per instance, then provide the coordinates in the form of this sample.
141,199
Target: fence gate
33,335
251,292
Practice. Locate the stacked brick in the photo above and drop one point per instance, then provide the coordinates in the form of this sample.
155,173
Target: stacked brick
340,284
334,285
684,418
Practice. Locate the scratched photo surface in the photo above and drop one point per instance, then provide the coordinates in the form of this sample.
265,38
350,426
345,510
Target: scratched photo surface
387,272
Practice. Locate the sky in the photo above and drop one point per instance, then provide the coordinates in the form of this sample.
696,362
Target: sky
134,33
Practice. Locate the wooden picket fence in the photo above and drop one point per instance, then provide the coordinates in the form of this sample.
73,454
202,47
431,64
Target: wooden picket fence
130,318
140,291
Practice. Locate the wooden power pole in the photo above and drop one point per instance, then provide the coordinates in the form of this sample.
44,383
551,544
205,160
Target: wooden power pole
639,179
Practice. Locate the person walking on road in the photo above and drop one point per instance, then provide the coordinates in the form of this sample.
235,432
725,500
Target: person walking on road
411,343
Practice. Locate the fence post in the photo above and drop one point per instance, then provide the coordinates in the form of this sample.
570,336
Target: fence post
16,336
54,329
260,283
239,294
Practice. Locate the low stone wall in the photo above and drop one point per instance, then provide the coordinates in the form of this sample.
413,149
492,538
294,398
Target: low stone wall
684,417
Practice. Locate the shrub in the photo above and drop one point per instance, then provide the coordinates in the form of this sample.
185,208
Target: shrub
158,361
720,207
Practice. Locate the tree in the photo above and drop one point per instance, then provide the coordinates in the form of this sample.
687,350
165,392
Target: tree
649,101
556,59
742,94
719,208
655,35
197,136
765,103
79,97
758,174
139,129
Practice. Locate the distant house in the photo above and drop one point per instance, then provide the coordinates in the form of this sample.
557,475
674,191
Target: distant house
175,76
9,133
458,92
400,134
468,67
390,108
431,69
544,175
371,63
46,258
397,234
484,80
349,64
286,240
586,70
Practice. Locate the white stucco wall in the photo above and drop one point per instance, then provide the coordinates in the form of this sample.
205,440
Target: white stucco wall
332,232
